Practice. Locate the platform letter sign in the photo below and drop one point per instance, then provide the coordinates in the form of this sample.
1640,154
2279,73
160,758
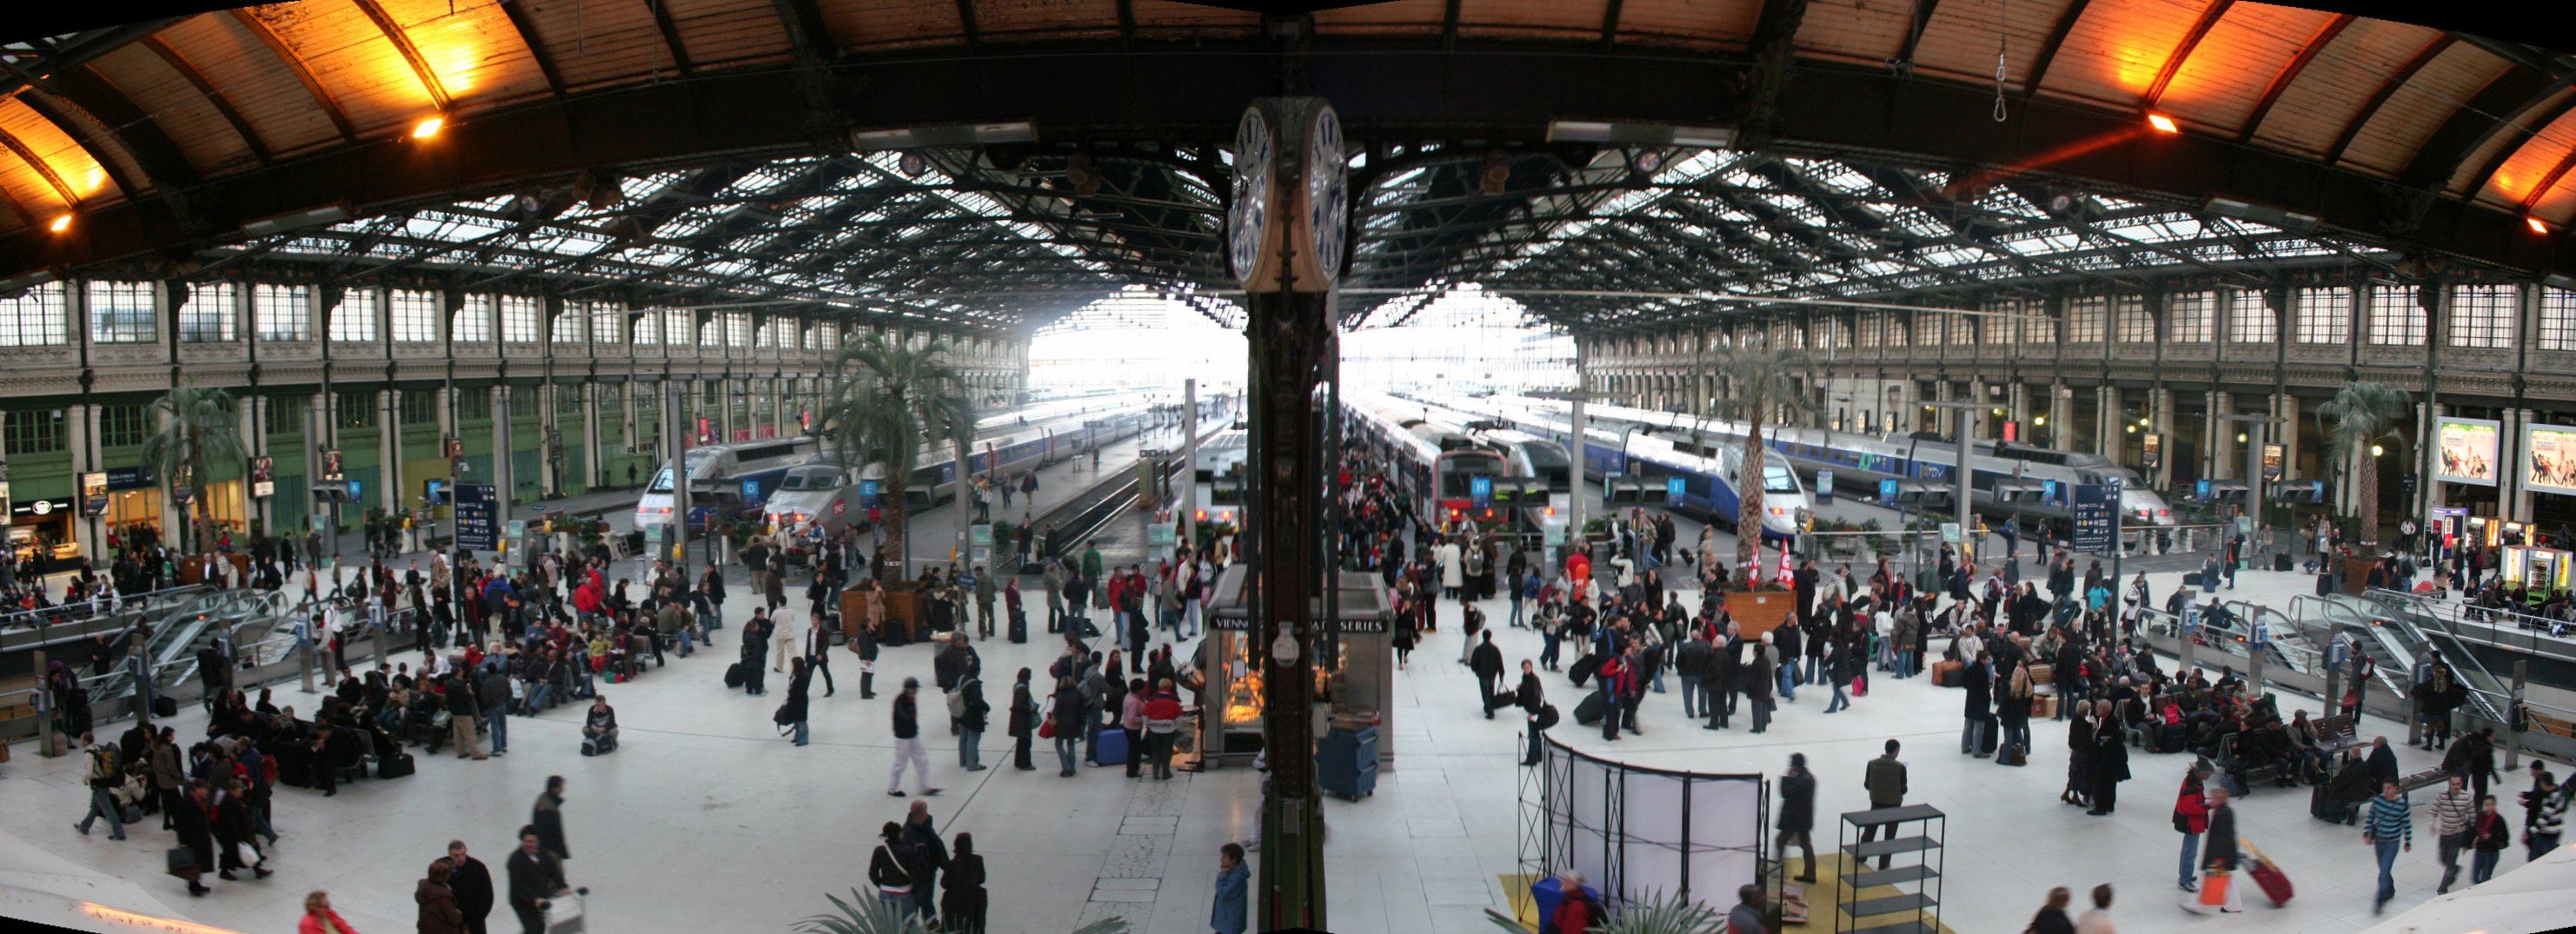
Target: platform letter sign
2048,490
1674,489
1887,492
2092,509
476,504
868,493
1481,489
1824,486
2200,491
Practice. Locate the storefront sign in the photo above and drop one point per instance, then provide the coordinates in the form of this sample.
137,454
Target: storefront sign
94,493
263,476
131,478
2466,450
1235,623
2549,459
34,508
477,505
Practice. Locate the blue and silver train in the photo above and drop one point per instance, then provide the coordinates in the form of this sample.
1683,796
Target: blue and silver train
1859,462
1708,489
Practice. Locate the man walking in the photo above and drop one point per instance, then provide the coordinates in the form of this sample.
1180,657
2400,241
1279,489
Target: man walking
1488,666
2453,810
1533,703
1691,663
2389,829
1798,814
907,741
1885,782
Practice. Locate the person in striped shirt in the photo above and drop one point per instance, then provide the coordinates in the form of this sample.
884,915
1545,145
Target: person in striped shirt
2453,810
2390,828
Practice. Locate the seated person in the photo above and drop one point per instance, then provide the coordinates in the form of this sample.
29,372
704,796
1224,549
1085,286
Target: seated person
599,727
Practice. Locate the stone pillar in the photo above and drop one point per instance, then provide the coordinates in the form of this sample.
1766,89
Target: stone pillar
389,452
2061,416
2431,492
2516,506
2162,402
80,424
2108,422
504,476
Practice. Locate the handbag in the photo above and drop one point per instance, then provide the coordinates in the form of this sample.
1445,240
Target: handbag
1046,730
183,863
1860,687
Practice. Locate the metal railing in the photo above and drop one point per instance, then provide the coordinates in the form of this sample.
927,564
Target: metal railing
2504,628
43,617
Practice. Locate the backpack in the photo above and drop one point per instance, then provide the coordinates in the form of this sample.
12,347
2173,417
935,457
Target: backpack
109,775
957,702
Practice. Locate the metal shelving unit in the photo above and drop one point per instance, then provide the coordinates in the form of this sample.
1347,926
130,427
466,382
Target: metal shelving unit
1913,834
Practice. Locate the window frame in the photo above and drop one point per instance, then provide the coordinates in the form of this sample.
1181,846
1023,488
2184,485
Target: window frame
210,303
2327,322
127,328
25,321
2397,317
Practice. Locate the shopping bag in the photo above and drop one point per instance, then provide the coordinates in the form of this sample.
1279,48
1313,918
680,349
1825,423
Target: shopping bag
2213,888
1860,687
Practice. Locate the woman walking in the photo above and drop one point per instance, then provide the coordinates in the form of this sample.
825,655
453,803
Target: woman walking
792,712
439,913
2052,918
886,869
961,897
1066,721
2079,754
1023,724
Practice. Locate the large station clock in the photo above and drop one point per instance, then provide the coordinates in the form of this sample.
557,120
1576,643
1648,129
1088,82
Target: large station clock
1288,225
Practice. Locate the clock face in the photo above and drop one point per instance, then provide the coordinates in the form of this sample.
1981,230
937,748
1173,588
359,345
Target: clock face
1327,187
1249,219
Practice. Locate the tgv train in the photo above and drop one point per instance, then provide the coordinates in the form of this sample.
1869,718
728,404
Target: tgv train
1437,462
724,478
1708,477
1859,462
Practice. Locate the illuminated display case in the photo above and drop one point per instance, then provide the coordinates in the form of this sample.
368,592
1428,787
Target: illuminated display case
2544,569
1353,682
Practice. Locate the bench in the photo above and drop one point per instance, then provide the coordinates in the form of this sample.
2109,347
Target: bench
2424,779
2335,734
2231,759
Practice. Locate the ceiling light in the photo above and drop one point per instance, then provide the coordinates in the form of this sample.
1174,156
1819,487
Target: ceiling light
1647,134
2282,218
2537,225
1497,175
297,220
62,222
428,126
2163,124
955,134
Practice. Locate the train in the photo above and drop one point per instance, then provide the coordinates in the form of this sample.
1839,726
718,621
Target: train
1437,462
1859,462
1708,489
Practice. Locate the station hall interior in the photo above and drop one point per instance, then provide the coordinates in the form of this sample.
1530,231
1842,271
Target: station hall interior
1781,428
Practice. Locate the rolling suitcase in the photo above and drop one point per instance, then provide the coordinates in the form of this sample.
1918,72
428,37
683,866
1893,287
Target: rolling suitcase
1584,668
165,706
733,675
2276,884
1109,746
2281,562
2015,756
1589,712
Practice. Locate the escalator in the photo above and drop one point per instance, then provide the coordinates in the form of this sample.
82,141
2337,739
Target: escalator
177,632
2405,629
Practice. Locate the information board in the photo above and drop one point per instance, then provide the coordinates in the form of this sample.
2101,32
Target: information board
2093,512
477,506
1824,486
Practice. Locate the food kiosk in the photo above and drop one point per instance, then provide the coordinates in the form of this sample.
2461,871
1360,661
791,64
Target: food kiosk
2543,569
1354,670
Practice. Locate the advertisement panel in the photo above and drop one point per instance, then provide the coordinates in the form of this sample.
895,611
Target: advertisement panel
2151,451
2465,450
2549,459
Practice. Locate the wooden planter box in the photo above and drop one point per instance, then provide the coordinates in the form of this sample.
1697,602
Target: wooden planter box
904,608
1760,611
2356,574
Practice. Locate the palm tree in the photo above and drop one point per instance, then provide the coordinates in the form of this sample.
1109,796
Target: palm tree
199,427
883,399
1760,379
865,914
2362,414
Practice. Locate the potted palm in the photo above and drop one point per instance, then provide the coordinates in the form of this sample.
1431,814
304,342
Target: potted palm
2362,414
198,429
882,400
1761,382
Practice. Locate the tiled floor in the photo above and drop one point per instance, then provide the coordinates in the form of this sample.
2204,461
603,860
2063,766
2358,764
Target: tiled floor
706,820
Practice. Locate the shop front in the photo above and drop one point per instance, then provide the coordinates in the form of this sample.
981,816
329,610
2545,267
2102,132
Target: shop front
1354,682
132,513
42,534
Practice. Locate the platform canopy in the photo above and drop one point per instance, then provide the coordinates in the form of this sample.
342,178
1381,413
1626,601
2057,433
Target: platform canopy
993,164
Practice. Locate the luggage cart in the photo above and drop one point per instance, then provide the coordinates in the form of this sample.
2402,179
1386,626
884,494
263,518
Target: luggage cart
566,914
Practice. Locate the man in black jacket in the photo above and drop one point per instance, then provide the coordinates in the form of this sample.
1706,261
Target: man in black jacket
755,643
472,883
907,740
196,832
1531,699
1721,678
1487,663
1798,814
535,878
926,857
